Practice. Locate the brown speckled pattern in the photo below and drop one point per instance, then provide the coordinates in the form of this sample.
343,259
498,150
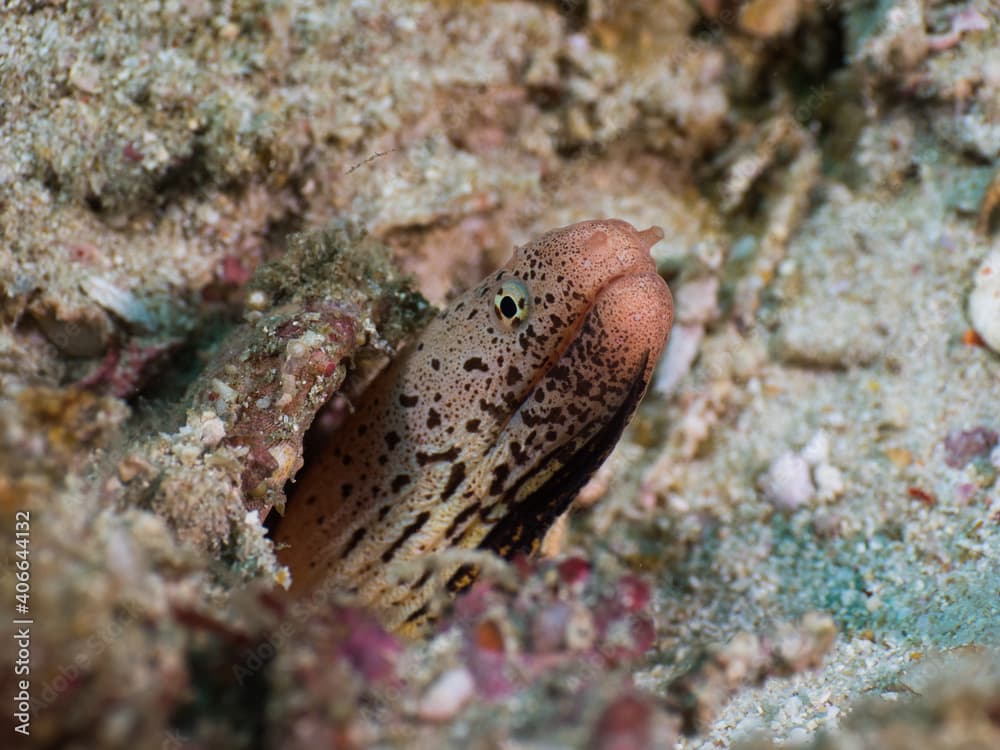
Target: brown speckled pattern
482,432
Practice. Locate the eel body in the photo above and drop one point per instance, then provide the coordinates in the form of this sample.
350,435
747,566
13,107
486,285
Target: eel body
480,434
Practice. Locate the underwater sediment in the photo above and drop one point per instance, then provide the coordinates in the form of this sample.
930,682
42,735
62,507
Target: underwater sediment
214,217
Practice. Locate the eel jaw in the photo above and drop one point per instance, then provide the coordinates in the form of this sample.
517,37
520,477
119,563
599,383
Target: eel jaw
521,530
599,379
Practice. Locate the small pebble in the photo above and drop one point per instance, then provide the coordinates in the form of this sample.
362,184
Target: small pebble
85,77
963,446
446,697
829,482
787,483
257,300
212,429
984,302
817,450
119,301
682,349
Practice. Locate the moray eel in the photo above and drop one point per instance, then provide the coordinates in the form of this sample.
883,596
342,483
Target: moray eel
481,433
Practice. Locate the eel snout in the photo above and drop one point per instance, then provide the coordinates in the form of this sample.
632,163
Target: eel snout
636,312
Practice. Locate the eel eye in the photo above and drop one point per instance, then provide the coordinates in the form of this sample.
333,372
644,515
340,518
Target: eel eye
511,303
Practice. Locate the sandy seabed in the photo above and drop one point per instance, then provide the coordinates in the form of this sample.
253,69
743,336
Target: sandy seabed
214,217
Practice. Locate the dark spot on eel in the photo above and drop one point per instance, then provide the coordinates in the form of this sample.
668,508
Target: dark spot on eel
454,479
433,419
409,531
353,542
474,363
